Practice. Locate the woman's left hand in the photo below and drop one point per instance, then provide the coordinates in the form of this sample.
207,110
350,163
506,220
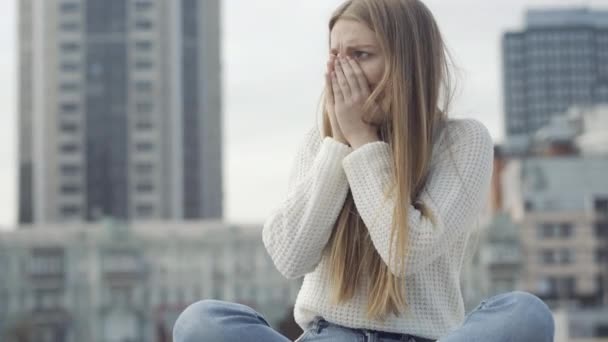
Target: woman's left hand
351,90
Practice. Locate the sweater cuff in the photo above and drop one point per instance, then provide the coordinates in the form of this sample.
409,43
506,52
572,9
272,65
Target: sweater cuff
334,149
368,159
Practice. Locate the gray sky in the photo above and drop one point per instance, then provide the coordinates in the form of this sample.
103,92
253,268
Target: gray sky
274,54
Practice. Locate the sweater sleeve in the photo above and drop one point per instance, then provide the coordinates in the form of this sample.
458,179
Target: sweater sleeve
298,229
457,185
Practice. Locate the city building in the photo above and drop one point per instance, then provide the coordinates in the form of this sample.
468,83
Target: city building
110,282
561,206
559,59
119,110
496,264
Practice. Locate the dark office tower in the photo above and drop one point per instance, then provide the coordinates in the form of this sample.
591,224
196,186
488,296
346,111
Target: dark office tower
558,60
119,110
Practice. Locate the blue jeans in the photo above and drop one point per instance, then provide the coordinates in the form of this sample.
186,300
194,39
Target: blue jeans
512,316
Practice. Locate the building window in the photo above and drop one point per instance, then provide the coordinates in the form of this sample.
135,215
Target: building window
69,7
69,87
69,148
145,187
120,295
601,206
70,210
143,5
143,64
70,47
144,168
601,229
143,24
601,255
70,170
70,66
46,261
548,256
144,210
70,189
144,124
144,107
69,108
569,286
144,146
545,230
143,86
70,26
529,206
68,127
565,230
143,45
566,256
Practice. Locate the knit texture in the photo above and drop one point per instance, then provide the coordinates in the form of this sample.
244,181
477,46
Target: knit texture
297,231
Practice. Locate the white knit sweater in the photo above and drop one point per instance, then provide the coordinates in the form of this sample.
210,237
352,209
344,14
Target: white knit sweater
324,169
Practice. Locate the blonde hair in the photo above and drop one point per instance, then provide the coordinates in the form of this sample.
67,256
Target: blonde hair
416,72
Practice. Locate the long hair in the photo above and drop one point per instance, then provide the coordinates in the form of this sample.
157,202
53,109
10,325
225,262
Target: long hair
416,81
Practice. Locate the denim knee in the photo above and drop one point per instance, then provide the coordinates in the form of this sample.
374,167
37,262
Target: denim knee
533,315
200,322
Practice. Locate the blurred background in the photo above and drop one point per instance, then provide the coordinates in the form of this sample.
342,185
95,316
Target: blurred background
144,142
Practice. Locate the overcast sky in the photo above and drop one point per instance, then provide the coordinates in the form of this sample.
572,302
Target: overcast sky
274,54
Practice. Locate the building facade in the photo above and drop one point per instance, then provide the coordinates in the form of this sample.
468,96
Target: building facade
561,205
109,282
119,110
558,60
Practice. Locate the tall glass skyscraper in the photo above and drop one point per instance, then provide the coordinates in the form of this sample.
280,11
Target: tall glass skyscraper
558,60
120,110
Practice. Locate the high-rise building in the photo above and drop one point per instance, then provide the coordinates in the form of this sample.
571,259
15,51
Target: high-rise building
119,110
558,60
561,207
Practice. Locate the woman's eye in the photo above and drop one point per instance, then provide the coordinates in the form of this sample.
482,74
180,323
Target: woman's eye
360,54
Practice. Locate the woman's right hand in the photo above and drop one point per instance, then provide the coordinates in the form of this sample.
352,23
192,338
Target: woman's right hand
329,103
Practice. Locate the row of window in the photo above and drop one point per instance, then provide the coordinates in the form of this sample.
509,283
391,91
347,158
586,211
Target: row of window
566,256
564,230
141,107
76,26
143,123
142,210
549,230
561,256
143,168
557,286
73,147
75,67
74,189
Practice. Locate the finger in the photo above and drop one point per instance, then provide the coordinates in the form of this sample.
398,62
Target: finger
329,94
377,116
342,81
353,83
360,76
332,60
337,91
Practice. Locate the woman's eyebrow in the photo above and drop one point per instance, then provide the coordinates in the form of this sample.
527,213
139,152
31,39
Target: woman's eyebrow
353,46
356,46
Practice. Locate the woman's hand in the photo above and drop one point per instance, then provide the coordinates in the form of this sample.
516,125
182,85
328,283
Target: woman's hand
350,91
330,104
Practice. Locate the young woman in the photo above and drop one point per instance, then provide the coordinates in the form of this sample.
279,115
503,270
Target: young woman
381,202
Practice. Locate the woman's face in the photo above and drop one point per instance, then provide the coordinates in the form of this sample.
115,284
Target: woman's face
350,37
